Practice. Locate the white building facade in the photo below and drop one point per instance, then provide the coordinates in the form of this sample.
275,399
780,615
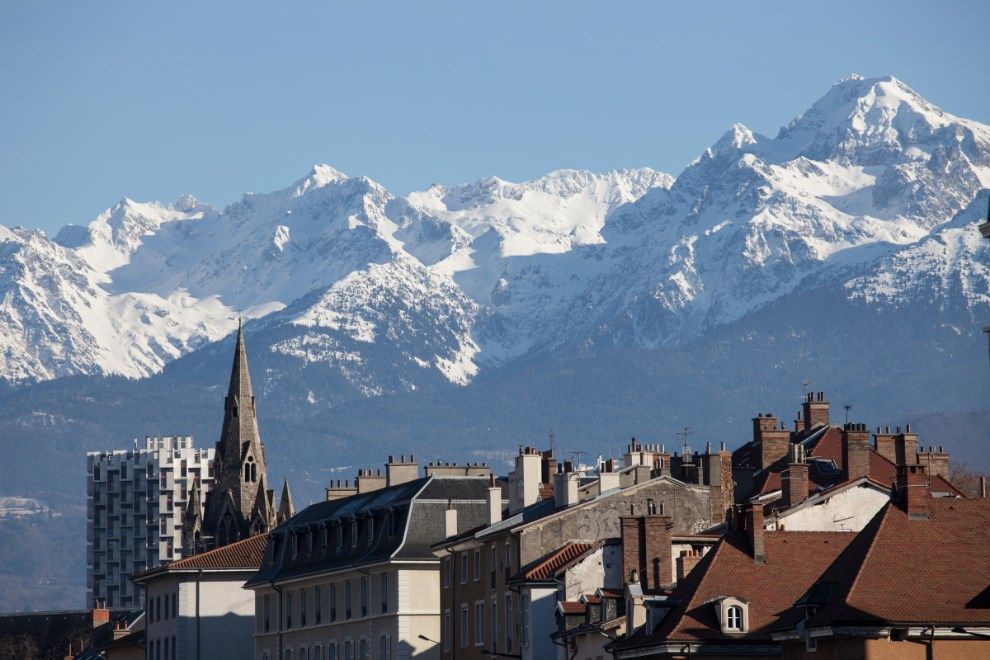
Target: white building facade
135,504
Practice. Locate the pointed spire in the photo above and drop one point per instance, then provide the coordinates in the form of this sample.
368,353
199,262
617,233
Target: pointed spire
285,508
240,378
194,509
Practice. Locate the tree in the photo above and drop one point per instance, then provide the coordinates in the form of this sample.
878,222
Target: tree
966,480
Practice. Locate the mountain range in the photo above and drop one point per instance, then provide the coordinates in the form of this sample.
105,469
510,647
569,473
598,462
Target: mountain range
462,320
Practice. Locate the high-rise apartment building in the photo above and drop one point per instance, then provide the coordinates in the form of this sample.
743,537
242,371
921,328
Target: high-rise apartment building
136,499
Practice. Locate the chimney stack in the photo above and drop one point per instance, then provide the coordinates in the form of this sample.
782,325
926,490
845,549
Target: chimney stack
608,478
686,563
905,447
814,410
855,451
772,440
753,522
936,460
646,549
401,471
101,614
794,489
912,490
367,481
565,487
494,501
450,520
526,478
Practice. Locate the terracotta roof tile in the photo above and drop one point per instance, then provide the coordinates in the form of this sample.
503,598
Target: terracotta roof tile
553,563
571,607
246,554
612,593
946,556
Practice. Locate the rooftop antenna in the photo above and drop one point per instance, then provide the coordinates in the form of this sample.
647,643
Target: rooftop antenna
553,437
847,406
806,382
683,435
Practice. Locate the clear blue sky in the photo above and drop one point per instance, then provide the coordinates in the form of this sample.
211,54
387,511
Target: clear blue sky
154,99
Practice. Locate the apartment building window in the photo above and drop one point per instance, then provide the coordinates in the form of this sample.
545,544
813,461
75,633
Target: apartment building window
168,610
477,564
364,596
317,652
166,648
494,627
463,630
332,594
384,648
267,612
508,560
318,604
288,610
173,647
364,649
302,653
158,607
332,651
507,615
479,623
383,591
302,608
175,605
446,572
464,567
347,599
448,630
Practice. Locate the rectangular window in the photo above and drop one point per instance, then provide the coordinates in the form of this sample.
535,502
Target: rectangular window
302,654
158,607
464,567
175,606
318,604
364,596
348,650
448,631
383,589
463,631
446,572
173,647
479,623
166,648
302,608
354,534
477,565
371,530
333,602
267,612
288,610
507,614
494,627
365,649
508,560
347,599
332,651
317,652
168,607
384,648
494,566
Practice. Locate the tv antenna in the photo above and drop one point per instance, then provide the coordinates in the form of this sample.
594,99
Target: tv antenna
847,406
805,383
553,437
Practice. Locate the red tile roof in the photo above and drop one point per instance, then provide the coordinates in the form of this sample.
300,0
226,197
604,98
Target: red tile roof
591,599
794,561
612,593
246,554
571,607
553,563
906,571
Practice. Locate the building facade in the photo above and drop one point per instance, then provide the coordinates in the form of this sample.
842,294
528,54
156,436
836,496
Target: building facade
197,608
354,577
135,503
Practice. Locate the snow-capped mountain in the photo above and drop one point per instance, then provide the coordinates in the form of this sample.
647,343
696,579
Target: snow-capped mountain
873,189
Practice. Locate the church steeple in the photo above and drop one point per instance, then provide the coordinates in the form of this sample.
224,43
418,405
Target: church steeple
240,468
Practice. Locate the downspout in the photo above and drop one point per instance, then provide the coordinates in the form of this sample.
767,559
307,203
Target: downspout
199,576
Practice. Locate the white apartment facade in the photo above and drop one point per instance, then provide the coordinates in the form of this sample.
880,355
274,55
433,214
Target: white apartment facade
135,504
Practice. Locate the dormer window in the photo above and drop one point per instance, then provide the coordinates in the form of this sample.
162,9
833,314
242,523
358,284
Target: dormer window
733,615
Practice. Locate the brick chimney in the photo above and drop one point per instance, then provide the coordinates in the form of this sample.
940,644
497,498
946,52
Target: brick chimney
884,443
752,520
771,439
936,460
794,489
686,563
855,450
101,614
646,549
912,491
906,447
401,471
814,410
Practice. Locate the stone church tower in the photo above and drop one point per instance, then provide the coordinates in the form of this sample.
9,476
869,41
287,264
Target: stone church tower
239,504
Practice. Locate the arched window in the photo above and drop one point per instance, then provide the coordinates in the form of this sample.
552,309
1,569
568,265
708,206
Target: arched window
734,618
250,470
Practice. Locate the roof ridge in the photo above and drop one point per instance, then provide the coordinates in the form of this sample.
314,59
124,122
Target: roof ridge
214,551
869,550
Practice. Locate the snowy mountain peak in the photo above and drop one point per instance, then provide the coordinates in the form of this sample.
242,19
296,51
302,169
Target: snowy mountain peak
321,175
